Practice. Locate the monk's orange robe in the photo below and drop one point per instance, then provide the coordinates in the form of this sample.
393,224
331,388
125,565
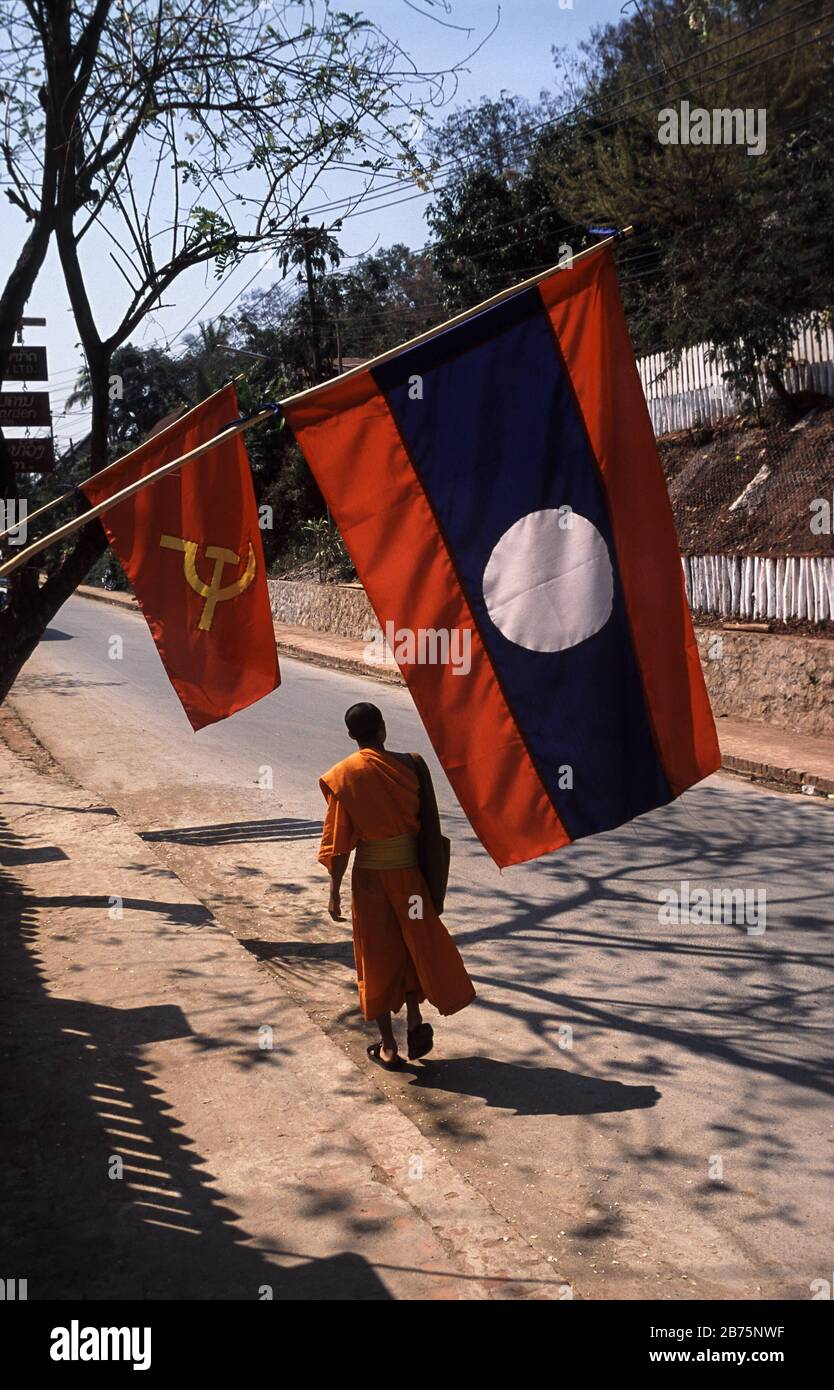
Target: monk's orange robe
374,796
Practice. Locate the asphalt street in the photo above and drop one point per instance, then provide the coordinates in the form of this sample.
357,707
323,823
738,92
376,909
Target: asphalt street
650,1101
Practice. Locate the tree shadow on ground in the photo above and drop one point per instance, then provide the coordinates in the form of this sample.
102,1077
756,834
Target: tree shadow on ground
327,952
77,1091
754,1000
237,832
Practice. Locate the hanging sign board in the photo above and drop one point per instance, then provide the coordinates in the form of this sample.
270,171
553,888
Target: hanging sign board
32,455
24,408
26,364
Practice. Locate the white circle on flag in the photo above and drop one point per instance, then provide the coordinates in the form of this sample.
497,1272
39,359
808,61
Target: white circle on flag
548,583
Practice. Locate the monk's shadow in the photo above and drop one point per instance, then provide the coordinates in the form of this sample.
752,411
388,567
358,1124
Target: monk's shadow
531,1090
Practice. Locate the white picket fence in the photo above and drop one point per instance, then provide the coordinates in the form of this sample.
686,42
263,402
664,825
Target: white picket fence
693,392
757,587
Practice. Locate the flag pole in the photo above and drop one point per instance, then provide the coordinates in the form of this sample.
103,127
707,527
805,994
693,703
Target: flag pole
430,333
66,496
77,522
137,485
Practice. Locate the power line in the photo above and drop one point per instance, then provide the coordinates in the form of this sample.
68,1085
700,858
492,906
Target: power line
586,105
370,206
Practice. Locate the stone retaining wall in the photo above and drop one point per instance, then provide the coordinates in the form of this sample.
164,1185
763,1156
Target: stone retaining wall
339,608
785,681
781,680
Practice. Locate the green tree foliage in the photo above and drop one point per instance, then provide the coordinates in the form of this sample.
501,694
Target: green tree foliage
166,136
381,301
145,385
733,247
495,219
374,305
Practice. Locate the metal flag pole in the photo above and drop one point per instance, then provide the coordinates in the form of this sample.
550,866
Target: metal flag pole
77,522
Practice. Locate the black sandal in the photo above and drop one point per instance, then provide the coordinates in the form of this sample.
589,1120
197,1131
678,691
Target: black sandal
420,1041
374,1052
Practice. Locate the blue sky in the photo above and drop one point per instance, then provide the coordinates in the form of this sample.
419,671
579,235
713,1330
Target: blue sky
517,58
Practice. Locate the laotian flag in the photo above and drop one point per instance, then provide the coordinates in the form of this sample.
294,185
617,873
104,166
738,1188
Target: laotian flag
502,478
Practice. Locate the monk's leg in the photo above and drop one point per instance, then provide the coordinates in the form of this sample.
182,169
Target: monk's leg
384,968
388,1051
412,1005
439,970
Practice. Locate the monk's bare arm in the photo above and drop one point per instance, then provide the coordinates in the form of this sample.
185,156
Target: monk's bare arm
338,864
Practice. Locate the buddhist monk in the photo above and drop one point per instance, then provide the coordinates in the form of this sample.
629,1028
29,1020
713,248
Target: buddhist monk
403,952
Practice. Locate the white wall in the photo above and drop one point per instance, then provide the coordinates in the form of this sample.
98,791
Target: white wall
694,392
756,587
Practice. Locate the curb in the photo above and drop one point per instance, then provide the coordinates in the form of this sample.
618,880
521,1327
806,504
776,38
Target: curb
793,779
107,596
286,646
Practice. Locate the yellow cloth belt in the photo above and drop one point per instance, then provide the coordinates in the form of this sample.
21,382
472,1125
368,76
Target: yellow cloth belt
398,852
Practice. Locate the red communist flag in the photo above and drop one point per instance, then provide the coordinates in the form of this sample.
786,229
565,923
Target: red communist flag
190,544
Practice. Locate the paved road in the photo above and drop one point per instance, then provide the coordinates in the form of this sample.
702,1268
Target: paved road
649,1102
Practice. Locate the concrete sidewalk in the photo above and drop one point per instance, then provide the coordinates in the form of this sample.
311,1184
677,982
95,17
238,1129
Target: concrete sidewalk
177,1127
793,761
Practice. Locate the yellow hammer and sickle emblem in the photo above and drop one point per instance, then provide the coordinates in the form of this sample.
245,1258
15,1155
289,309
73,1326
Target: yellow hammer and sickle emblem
213,592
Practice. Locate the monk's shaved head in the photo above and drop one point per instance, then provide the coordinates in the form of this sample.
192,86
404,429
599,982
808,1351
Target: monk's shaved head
364,721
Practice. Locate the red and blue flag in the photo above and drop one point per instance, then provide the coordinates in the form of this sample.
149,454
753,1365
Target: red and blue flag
503,478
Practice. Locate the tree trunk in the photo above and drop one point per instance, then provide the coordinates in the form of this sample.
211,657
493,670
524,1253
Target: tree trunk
31,606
